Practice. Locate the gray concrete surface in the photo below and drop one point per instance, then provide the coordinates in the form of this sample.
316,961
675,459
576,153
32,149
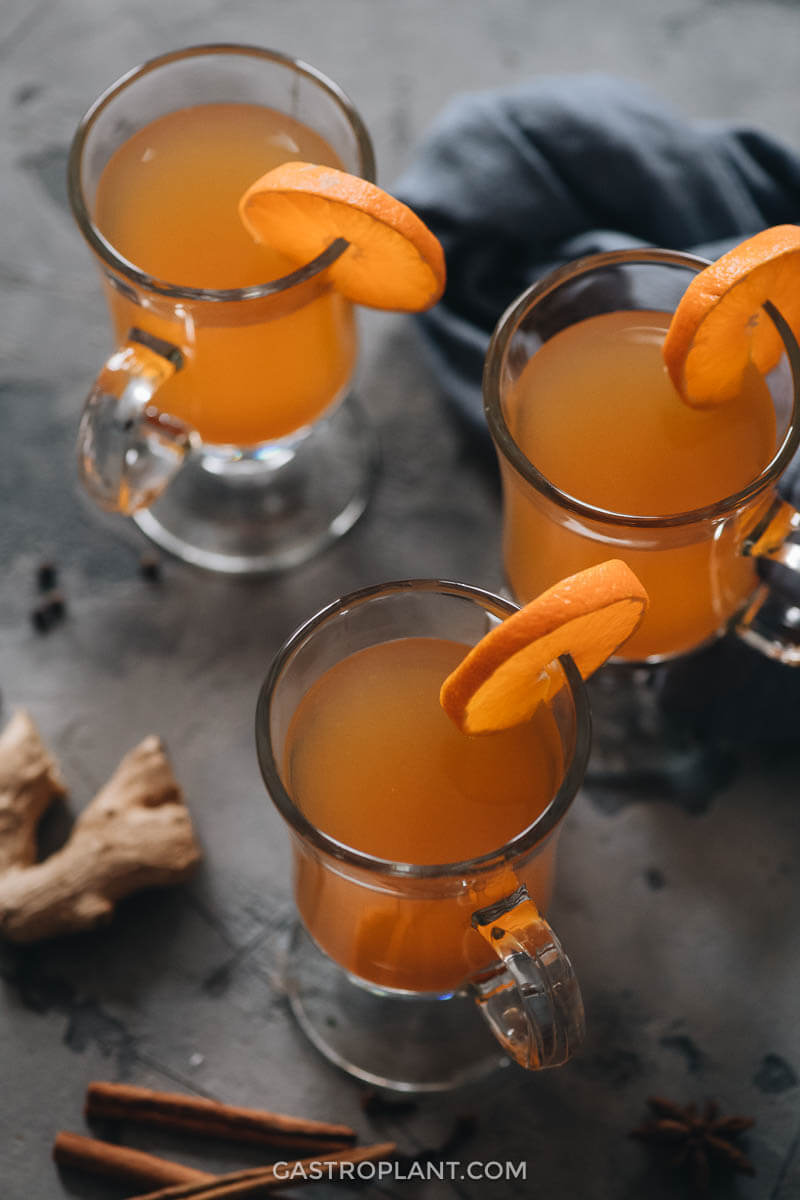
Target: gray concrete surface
683,926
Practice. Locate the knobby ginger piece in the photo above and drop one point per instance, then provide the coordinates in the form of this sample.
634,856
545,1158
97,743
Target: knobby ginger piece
136,833
29,781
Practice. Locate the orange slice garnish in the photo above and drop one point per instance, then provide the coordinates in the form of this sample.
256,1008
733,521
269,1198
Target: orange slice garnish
503,679
393,261
720,326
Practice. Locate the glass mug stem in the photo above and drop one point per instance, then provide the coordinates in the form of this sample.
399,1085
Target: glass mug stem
533,1003
128,450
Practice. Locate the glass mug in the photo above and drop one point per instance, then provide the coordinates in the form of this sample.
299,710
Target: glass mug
701,568
394,961
237,397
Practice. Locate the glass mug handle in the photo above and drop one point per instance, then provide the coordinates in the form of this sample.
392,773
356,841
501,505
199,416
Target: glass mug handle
771,621
532,1002
128,451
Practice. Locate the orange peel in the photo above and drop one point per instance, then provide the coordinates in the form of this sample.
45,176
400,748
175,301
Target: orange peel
720,325
392,261
503,679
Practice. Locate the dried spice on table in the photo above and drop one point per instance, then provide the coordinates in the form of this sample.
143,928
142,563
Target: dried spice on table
48,612
210,1118
46,576
135,833
696,1141
150,567
199,1116
51,607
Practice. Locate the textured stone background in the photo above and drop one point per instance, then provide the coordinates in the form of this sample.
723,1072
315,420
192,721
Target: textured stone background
683,925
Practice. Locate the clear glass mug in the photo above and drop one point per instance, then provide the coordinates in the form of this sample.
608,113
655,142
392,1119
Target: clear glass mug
394,961
238,399
715,552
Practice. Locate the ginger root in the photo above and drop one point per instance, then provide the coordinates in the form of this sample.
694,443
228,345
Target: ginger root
136,833
29,782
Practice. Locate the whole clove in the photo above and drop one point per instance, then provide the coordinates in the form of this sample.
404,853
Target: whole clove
46,576
41,618
56,605
48,612
150,567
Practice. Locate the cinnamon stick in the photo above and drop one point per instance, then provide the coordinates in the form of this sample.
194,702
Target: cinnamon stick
122,1162
119,1101
256,1181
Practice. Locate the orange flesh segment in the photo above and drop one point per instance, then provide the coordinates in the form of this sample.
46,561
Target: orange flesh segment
393,261
503,679
720,325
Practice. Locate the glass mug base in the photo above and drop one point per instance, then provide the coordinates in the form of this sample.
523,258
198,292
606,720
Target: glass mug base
402,1042
271,508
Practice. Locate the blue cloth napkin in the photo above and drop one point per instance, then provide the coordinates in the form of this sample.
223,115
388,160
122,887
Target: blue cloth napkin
517,181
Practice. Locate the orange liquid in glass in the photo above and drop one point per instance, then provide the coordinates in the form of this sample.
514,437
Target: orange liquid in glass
373,761
595,411
167,202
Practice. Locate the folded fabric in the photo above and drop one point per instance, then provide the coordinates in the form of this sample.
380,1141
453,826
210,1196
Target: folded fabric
517,181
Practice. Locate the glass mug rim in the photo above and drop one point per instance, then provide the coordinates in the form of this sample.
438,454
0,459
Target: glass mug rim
529,837
123,266
507,327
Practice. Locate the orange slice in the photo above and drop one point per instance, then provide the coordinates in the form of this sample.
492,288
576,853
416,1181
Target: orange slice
393,260
720,326
502,679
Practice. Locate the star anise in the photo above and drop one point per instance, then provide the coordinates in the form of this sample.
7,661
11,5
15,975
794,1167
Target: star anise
696,1141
